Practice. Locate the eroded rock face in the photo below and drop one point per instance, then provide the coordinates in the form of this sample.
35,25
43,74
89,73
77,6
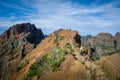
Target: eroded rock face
117,41
15,43
103,44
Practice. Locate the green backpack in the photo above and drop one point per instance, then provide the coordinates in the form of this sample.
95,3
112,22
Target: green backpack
83,49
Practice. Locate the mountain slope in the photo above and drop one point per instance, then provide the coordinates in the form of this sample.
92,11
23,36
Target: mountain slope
111,64
57,58
53,57
15,43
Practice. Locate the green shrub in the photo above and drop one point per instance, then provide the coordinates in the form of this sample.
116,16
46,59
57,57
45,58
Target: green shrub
22,65
97,62
95,57
111,53
105,47
36,69
65,52
32,72
68,45
39,71
52,59
57,44
55,66
59,38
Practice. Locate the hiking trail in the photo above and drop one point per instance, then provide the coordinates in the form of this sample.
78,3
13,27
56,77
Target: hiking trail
93,71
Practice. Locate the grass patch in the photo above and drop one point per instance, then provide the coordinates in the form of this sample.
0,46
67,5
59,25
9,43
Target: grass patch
59,38
104,47
97,62
57,44
110,53
55,66
52,60
95,57
22,65
68,45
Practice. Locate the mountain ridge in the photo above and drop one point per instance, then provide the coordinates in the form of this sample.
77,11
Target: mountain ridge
32,56
15,43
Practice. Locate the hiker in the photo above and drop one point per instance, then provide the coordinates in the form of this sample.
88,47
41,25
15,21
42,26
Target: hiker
82,53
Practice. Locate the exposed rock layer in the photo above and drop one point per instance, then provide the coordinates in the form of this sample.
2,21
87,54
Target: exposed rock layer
15,43
104,43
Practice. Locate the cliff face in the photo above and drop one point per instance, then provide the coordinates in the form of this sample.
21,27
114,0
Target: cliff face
25,31
117,41
103,43
15,43
53,59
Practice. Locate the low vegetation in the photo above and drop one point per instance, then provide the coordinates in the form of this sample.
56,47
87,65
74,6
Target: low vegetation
52,60
22,65
59,38
97,62
95,57
110,53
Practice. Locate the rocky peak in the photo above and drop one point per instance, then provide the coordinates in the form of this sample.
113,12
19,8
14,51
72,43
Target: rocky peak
18,29
23,30
85,38
25,27
117,36
104,36
15,44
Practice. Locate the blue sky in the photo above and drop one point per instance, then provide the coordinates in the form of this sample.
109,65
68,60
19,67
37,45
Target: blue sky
85,16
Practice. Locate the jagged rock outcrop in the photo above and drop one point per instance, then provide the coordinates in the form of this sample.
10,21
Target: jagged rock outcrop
103,44
85,38
53,59
15,43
